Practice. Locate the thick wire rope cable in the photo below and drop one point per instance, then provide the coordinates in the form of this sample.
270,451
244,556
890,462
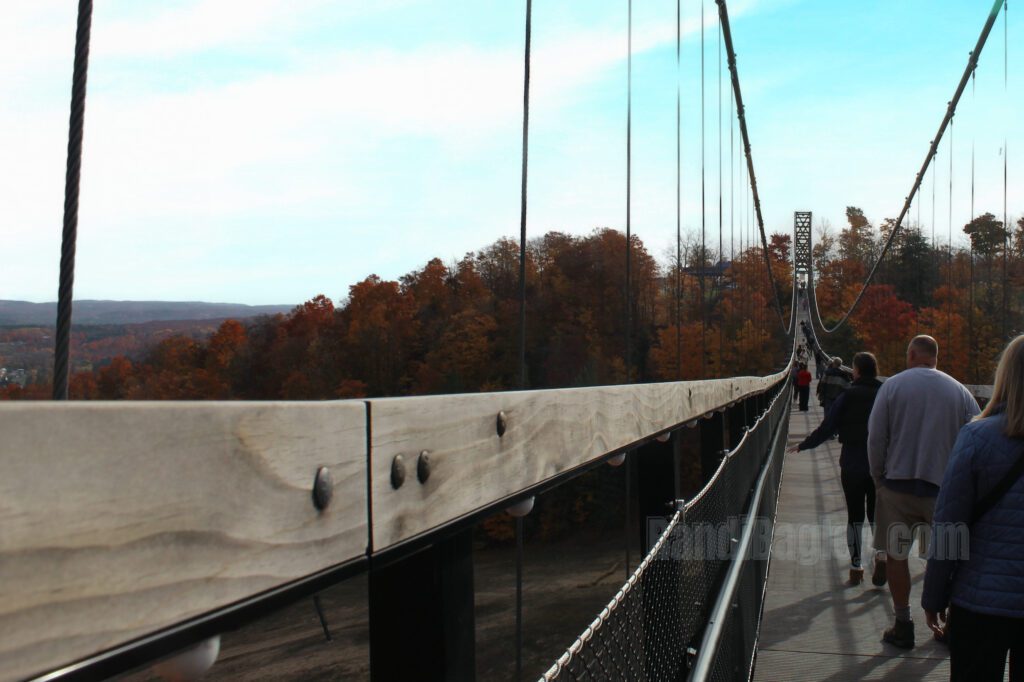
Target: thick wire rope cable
72,179
703,209
970,297
1006,154
934,186
732,179
974,136
949,249
519,598
679,192
522,201
721,221
522,316
629,194
723,12
919,226
629,185
742,206
972,64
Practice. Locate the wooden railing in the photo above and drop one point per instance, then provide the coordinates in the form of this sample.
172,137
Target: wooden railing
124,520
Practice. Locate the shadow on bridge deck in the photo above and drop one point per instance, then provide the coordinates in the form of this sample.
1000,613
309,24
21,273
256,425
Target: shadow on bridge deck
815,627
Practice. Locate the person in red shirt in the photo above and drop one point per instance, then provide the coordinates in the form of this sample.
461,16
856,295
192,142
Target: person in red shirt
803,386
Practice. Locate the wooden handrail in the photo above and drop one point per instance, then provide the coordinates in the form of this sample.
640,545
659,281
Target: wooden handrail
122,519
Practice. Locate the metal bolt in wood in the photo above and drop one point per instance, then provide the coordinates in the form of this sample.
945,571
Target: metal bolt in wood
397,472
423,466
323,488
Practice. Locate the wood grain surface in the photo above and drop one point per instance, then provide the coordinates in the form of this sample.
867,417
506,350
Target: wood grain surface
119,519
548,433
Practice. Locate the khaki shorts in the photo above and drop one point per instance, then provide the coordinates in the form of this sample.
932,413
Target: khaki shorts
899,519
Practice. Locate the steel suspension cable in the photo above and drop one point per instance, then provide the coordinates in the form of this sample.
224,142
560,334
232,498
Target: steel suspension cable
522,317
72,178
732,179
629,235
972,64
679,193
970,297
1006,153
522,197
723,13
974,135
949,247
703,210
629,195
934,185
721,249
743,206
919,213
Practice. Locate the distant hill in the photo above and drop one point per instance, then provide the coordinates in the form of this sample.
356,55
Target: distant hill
130,312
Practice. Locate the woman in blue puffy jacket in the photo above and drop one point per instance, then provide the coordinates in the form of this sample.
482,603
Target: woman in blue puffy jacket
981,582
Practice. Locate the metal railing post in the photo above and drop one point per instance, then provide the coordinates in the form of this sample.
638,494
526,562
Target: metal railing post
422,623
711,445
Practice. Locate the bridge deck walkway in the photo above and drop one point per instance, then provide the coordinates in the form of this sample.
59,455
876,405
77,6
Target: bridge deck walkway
815,627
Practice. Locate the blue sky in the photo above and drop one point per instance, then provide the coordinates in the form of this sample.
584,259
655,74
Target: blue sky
269,154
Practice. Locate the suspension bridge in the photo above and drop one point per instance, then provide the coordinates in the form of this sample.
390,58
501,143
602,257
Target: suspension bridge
335,539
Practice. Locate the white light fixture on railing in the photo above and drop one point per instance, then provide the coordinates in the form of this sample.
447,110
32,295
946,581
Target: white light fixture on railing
521,508
191,663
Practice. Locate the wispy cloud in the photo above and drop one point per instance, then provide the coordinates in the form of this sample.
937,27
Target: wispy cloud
369,120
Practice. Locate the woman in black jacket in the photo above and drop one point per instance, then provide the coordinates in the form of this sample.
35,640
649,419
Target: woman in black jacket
848,417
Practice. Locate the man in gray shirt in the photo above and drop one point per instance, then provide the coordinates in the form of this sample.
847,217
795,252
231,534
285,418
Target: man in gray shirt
913,426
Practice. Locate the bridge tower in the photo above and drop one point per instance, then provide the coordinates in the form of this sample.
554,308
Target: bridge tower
802,243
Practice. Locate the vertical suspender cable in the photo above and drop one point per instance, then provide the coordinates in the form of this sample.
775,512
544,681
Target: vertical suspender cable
970,297
629,190
69,236
522,201
1006,153
519,598
743,211
703,212
949,248
918,212
522,318
974,134
723,15
629,234
679,193
972,64
721,249
934,185
732,180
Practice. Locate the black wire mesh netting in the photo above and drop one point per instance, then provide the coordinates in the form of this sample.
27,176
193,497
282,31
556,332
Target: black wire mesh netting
652,628
734,656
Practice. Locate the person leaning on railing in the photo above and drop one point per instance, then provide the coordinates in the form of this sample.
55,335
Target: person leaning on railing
849,419
983,491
